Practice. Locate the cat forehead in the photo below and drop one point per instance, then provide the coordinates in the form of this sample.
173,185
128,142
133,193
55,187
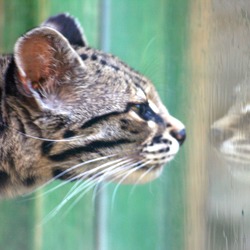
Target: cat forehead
114,66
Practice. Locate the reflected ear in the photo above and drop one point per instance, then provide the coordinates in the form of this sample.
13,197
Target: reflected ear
44,58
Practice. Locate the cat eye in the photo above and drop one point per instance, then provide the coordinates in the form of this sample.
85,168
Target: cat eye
141,109
145,112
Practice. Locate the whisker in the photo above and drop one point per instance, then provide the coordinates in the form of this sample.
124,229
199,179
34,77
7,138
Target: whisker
44,139
73,138
73,178
106,171
75,190
87,162
141,177
146,49
65,172
97,182
121,169
84,163
86,173
129,173
82,176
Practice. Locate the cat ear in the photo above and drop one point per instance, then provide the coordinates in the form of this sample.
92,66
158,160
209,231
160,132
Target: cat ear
45,60
69,27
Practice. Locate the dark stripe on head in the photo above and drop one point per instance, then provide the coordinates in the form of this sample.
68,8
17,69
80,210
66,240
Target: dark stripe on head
89,148
107,144
98,119
104,117
70,152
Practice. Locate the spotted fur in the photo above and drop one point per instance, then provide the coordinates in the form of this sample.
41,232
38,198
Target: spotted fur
72,112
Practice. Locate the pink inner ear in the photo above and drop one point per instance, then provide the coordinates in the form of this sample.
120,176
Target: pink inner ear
44,58
36,58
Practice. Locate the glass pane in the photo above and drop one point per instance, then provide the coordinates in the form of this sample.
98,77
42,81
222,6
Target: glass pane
228,162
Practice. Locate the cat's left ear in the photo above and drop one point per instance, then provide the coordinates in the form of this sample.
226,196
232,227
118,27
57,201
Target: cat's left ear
45,62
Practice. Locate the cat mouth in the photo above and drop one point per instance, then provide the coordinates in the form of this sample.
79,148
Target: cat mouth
151,161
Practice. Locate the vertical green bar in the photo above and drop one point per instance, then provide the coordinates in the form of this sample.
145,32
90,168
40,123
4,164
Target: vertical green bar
151,36
176,96
100,220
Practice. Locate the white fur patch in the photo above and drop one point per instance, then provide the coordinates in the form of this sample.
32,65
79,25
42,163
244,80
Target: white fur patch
153,107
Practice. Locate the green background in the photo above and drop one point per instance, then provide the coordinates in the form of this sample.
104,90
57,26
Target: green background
150,36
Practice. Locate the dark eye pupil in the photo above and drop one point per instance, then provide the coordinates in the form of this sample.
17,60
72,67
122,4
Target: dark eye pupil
142,109
146,113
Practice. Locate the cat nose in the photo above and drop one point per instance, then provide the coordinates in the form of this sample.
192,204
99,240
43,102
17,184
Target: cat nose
179,135
176,129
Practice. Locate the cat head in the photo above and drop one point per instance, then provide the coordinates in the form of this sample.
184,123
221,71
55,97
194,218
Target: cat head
95,117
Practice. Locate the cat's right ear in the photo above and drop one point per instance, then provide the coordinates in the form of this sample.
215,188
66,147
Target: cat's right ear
69,27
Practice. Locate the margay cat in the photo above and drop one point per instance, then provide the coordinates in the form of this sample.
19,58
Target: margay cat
72,112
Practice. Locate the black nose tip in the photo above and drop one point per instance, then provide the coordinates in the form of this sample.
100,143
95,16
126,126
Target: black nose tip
180,135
